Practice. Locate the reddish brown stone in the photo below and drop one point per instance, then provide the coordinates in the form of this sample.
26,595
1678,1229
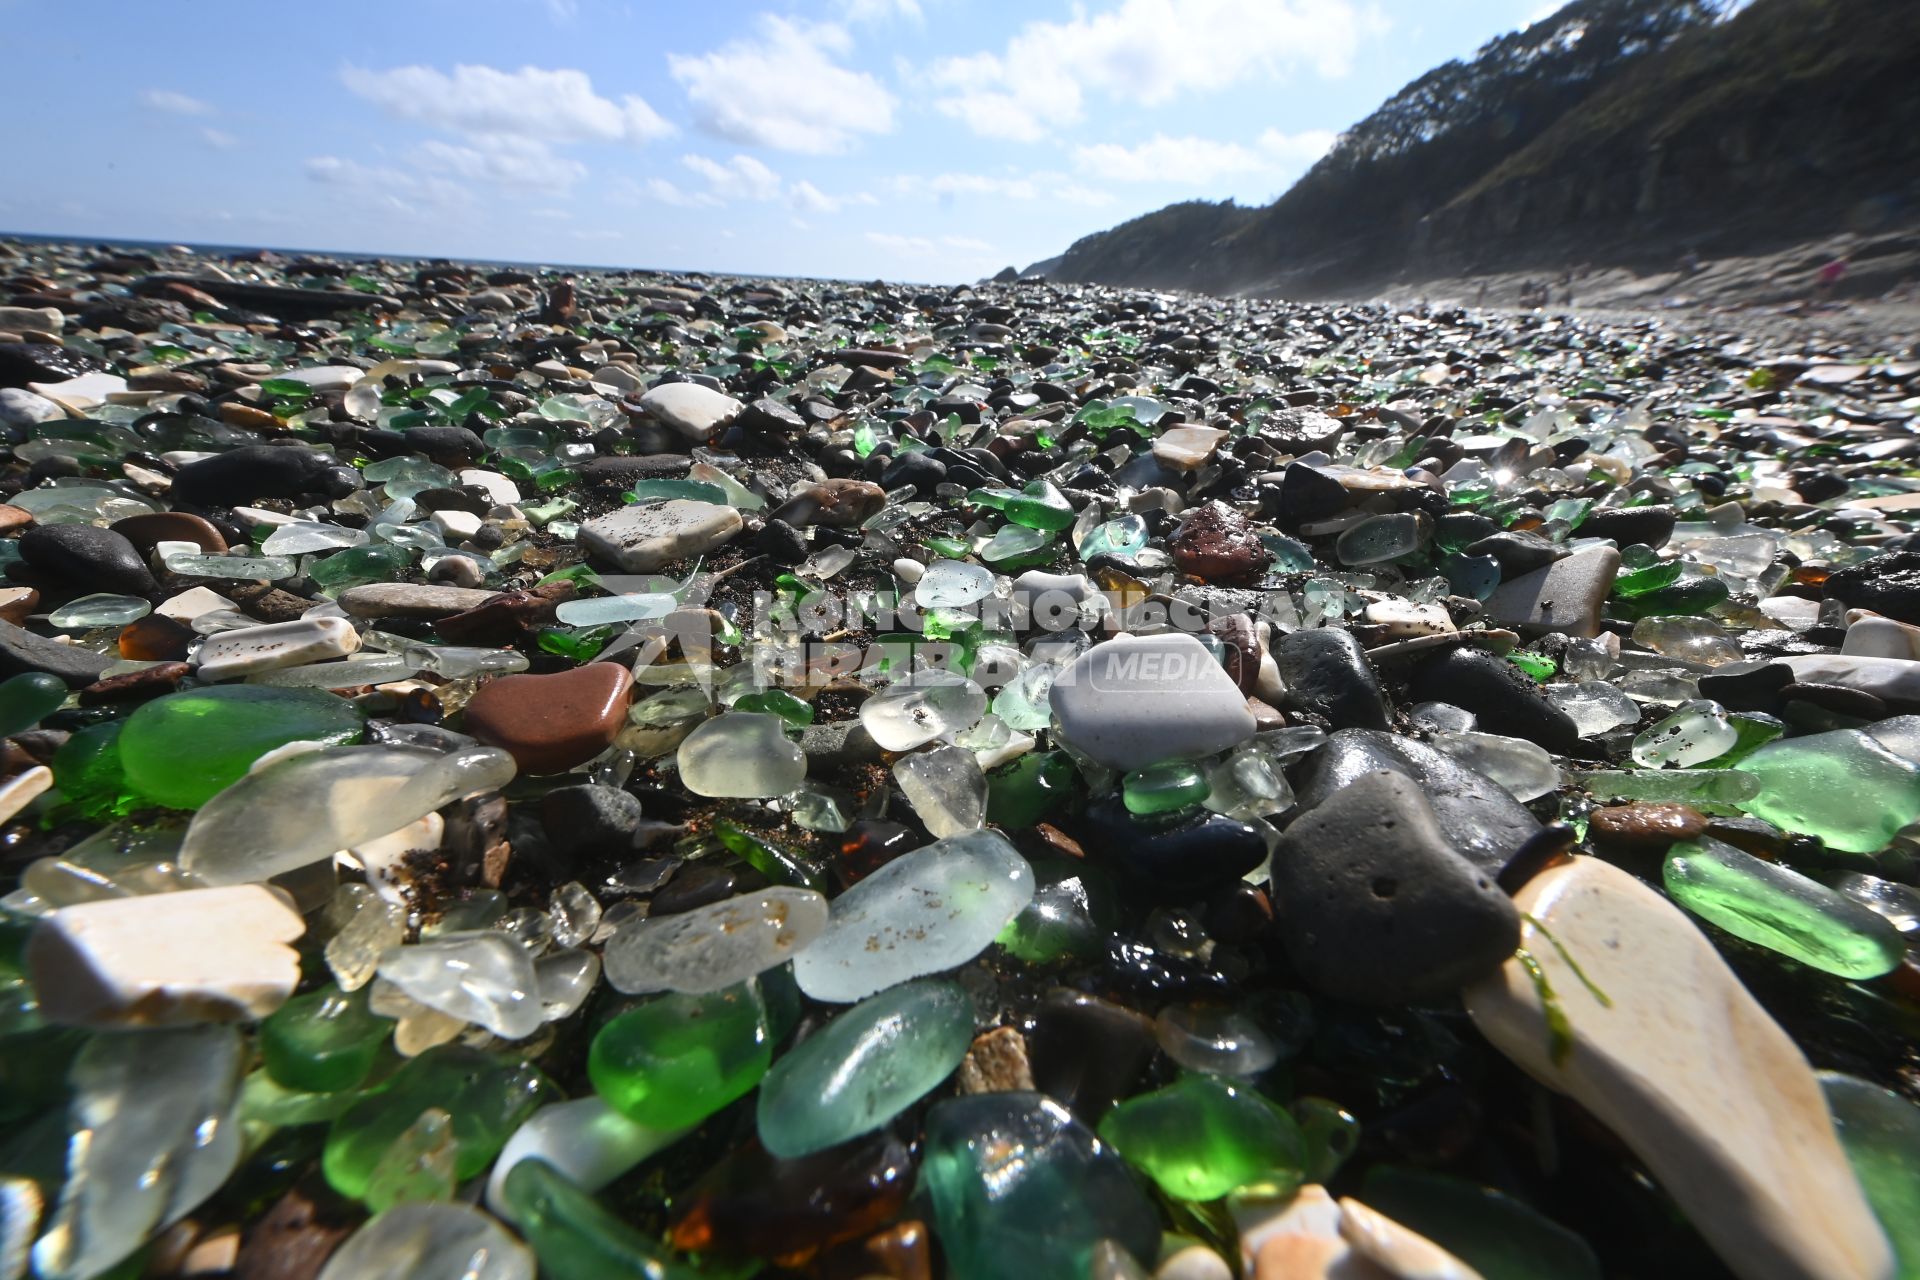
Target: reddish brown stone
839,503
267,603
1646,825
12,517
248,418
144,532
136,686
550,723
156,638
1216,543
1265,717
182,292
1243,650
507,616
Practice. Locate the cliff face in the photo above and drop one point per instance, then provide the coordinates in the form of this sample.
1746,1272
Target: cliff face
1620,132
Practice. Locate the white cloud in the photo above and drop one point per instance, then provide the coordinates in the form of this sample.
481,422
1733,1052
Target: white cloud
178,104
502,160
669,193
1039,185
219,138
741,178
557,105
552,215
394,188
1147,52
811,199
1194,161
808,198
783,89
880,10
925,247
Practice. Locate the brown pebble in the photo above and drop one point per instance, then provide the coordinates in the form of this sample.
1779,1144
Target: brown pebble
1243,650
996,1062
506,617
17,603
235,414
12,517
550,723
1217,543
145,531
1265,717
1756,836
1646,825
136,686
904,1251
268,603
293,1241
156,638
176,380
839,503
476,844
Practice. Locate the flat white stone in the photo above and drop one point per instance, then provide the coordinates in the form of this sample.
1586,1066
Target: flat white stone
1136,700
1876,637
43,319
690,409
456,526
1895,679
500,490
233,654
1403,619
1187,448
166,959
643,539
325,377
1687,1069
616,378
260,515
409,600
1565,596
193,603
83,392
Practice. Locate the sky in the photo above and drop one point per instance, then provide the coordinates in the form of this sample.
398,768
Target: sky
921,140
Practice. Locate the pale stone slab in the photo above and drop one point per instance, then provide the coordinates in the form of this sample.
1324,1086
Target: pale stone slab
1565,596
1871,636
243,652
643,539
1136,700
1895,679
1687,1068
194,602
166,959
1187,447
690,409
410,600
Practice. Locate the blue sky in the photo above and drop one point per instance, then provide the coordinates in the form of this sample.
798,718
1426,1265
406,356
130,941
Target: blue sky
929,140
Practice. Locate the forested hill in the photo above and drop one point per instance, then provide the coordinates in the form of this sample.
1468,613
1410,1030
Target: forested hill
1614,132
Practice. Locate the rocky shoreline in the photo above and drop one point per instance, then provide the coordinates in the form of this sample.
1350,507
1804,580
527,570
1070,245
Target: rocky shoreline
624,773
